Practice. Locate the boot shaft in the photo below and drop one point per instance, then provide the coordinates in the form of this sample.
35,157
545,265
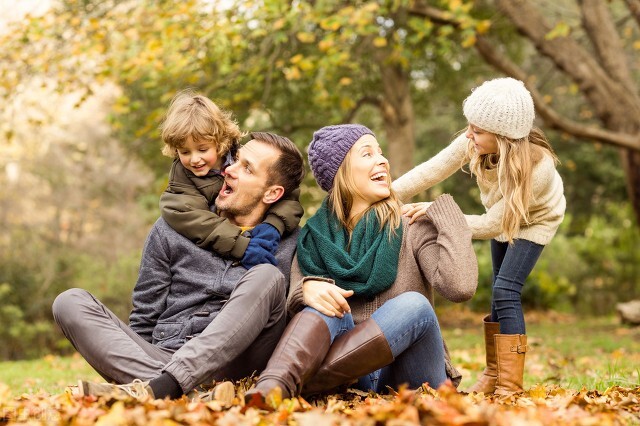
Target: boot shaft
510,356
487,381
360,351
298,355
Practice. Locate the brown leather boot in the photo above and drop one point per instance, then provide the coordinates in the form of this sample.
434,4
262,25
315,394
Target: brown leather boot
297,357
352,355
510,353
487,381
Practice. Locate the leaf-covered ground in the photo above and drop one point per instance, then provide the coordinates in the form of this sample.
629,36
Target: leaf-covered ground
542,405
580,371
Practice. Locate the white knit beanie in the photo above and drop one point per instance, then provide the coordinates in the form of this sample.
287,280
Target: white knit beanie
502,106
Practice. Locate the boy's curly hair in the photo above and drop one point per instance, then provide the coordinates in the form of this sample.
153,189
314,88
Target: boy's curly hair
195,115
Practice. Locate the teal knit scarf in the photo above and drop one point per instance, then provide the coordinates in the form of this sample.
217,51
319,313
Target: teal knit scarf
368,268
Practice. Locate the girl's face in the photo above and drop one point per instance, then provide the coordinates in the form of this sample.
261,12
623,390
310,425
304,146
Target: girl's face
369,170
199,157
485,142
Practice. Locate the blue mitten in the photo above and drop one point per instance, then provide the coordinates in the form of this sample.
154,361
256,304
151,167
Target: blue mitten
262,246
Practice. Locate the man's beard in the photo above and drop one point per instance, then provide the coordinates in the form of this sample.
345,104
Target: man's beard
232,209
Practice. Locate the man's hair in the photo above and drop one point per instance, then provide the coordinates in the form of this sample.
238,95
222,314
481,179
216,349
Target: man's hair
288,170
195,115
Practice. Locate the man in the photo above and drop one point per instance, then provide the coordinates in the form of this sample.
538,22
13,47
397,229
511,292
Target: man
196,317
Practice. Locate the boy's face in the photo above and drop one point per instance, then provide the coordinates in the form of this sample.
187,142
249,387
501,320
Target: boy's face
199,157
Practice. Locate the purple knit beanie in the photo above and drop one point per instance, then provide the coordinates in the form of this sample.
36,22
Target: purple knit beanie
328,149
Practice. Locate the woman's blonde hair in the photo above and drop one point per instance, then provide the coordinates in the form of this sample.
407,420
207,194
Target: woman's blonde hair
341,201
191,114
514,162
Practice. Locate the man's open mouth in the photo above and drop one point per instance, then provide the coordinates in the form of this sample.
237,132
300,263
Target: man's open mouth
226,189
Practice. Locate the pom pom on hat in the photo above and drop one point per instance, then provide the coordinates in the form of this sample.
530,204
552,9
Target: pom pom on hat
502,106
328,149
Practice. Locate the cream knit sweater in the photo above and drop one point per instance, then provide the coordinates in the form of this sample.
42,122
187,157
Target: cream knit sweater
546,209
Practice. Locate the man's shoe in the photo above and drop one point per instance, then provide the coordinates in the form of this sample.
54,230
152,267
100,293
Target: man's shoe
223,392
136,389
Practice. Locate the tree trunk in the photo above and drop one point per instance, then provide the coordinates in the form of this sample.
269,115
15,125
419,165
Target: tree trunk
602,75
399,119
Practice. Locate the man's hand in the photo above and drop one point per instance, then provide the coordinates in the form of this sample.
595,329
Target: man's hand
262,246
415,210
326,298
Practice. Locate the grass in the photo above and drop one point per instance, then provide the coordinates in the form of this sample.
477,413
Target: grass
50,374
572,352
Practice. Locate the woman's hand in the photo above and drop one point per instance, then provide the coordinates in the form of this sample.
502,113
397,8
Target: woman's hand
415,210
326,298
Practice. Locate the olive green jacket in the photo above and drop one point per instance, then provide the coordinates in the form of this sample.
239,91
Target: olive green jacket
185,206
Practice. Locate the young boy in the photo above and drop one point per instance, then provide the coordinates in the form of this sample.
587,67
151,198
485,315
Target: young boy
203,140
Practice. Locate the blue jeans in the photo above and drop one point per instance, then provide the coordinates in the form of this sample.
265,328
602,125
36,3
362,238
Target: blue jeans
411,328
512,264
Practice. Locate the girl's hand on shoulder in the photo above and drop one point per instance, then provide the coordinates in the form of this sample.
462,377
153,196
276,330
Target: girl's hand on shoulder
415,210
326,298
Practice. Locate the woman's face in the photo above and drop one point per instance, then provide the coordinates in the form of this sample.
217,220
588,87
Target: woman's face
485,142
370,173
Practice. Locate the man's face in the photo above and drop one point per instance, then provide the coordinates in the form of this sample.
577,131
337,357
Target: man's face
245,183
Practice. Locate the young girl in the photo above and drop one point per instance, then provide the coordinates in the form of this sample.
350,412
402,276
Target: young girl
522,192
362,286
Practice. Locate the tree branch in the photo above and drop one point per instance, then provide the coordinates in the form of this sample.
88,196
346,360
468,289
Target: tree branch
601,30
439,16
550,116
634,8
371,100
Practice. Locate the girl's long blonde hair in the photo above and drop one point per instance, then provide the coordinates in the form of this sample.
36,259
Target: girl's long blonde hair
341,201
514,163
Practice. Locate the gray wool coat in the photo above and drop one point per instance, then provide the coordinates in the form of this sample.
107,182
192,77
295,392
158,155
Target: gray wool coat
181,287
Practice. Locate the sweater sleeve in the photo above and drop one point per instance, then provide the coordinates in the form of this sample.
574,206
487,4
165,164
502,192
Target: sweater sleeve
438,168
444,250
488,225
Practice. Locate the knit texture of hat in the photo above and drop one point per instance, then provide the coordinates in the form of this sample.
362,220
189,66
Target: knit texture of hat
502,106
328,149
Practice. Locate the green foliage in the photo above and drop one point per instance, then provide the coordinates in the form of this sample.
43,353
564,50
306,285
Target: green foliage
28,329
587,273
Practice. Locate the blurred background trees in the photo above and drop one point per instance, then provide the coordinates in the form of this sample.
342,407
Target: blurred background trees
84,84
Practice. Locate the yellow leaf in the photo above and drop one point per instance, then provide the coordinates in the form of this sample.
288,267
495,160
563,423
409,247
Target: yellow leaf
345,81
483,26
305,65
379,42
279,24
547,99
115,416
325,45
306,37
292,73
636,45
296,59
560,30
538,392
469,41
330,24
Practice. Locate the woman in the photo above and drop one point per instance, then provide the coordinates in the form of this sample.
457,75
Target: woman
362,287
